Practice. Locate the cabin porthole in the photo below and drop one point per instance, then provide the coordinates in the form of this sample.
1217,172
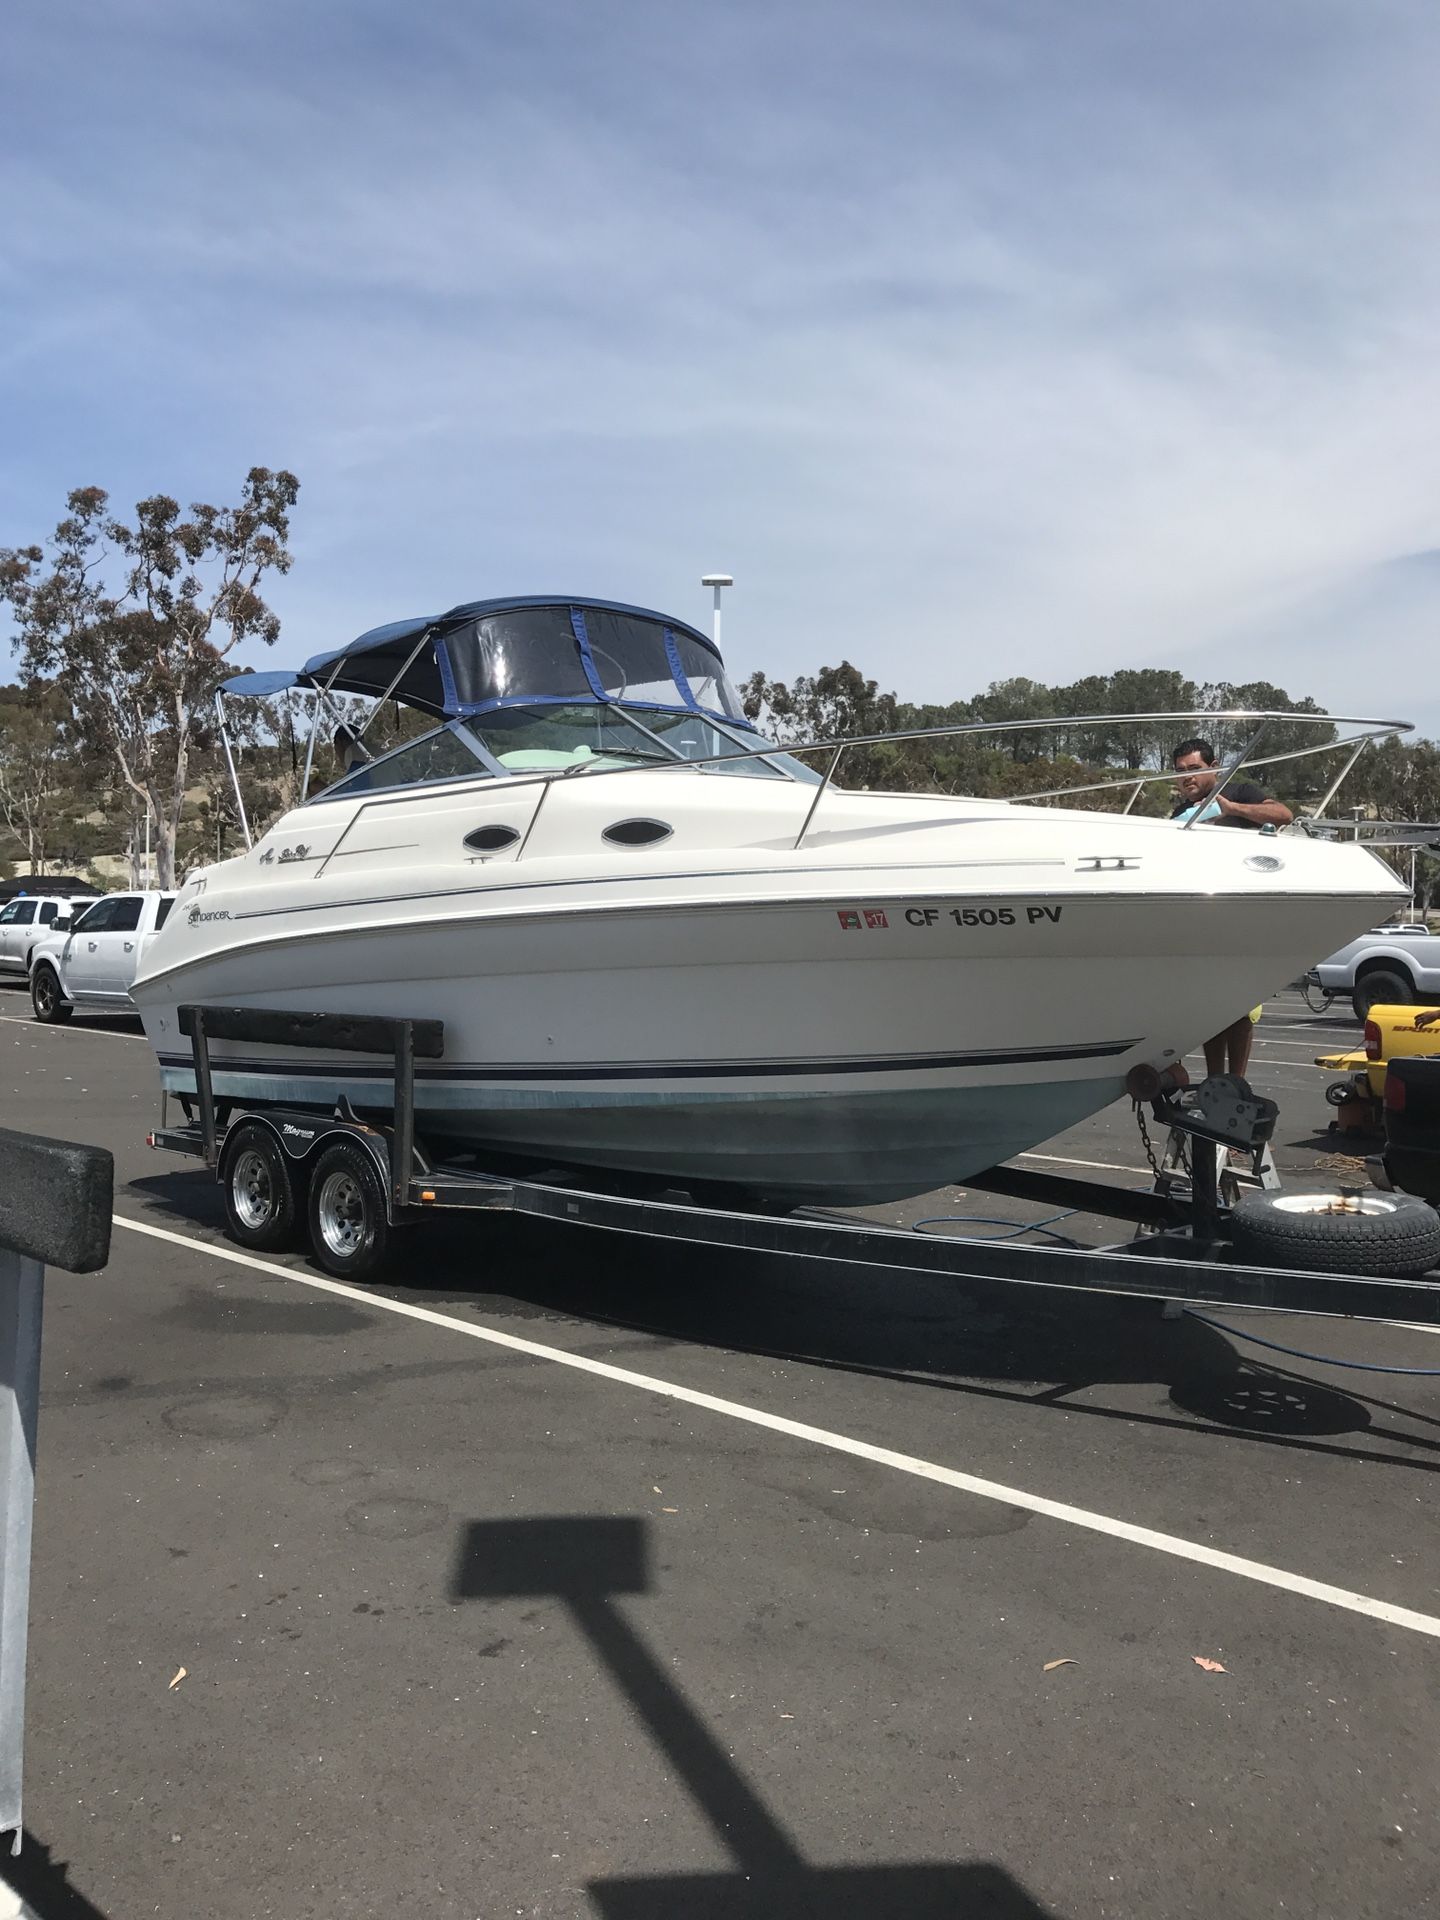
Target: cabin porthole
491,839
637,833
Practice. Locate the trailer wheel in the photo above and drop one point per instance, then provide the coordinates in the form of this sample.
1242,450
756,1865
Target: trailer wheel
1388,1235
46,998
258,1181
349,1232
1382,988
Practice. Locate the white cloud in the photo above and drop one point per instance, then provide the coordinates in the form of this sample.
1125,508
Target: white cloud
974,339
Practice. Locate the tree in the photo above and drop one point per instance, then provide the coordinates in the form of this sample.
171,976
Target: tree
34,768
838,703
138,621
841,701
1018,699
1295,781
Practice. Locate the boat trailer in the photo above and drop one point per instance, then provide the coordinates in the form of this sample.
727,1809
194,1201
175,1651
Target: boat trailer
353,1180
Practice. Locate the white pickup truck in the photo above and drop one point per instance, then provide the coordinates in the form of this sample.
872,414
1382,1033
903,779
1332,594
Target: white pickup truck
1389,966
91,964
26,921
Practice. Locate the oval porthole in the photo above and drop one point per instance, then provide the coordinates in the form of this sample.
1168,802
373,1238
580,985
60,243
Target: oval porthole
491,839
1264,862
637,833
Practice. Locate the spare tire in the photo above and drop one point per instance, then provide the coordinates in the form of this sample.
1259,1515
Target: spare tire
1339,1230
1383,987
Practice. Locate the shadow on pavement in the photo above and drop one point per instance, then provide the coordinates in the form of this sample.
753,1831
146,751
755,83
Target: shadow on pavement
1027,1346
16,1002
43,1883
590,1564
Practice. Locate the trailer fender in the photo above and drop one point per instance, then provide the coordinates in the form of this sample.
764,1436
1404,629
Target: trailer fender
303,1138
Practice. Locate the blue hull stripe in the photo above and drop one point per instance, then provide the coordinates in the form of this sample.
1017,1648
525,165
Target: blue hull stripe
311,1068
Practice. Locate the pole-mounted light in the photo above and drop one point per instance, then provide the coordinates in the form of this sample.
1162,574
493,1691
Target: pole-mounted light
717,581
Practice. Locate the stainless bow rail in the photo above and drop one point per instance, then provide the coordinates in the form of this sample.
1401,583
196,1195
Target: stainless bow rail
1362,731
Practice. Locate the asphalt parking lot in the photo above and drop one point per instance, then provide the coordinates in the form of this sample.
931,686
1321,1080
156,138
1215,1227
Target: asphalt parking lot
569,1576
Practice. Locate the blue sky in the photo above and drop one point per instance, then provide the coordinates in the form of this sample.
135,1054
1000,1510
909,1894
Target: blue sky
974,338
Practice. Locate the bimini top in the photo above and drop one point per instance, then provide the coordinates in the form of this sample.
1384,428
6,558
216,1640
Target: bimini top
538,650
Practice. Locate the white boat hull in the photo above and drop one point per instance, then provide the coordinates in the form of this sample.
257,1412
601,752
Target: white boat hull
847,1048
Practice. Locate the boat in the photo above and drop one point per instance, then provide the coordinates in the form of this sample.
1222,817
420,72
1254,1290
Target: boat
663,946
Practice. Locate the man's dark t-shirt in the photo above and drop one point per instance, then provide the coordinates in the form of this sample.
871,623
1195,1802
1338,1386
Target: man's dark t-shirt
1245,791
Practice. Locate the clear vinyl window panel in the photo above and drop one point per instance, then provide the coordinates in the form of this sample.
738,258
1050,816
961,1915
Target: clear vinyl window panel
443,755
539,739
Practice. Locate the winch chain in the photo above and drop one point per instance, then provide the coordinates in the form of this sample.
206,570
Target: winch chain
1145,1141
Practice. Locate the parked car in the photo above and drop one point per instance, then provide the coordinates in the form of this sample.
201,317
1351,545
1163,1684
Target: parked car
1395,965
25,921
92,964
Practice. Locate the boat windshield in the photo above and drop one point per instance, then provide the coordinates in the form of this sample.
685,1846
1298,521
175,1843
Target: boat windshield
443,755
558,739
695,736
539,739
533,739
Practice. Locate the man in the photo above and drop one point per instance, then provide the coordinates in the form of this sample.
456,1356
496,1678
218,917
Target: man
350,749
1242,804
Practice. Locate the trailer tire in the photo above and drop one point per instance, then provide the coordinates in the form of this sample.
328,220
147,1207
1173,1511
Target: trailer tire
349,1231
1387,1235
1381,988
49,1003
258,1181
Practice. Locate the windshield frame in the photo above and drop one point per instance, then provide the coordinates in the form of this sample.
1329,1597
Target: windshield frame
488,765
486,768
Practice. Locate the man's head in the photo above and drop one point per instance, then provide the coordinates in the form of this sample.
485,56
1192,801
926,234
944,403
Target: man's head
1195,762
350,751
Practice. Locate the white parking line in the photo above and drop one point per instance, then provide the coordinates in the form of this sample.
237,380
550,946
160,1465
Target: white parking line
1167,1543
1063,1160
1294,1046
103,1033
1318,1028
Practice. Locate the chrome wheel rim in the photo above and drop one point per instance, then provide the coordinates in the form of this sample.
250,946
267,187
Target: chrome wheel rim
1369,1206
340,1214
44,992
250,1189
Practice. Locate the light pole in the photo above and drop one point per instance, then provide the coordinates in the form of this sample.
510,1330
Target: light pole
717,581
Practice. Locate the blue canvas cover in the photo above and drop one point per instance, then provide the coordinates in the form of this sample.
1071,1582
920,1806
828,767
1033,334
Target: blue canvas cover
542,649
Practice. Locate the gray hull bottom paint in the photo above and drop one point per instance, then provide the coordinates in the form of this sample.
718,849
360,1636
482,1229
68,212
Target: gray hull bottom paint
838,1148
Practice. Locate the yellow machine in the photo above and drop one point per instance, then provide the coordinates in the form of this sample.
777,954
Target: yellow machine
1390,1032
